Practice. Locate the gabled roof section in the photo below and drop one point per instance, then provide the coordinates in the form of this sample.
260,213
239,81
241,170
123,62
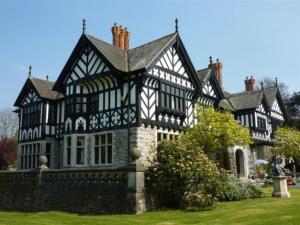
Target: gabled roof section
135,59
204,74
116,56
42,87
270,94
142,57
246,100
207,74
225,104
273,93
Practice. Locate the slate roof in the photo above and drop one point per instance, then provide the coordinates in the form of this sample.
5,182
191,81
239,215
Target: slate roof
225,104
204,74
135,59
44,88
245,100
116,56
270,94
142,56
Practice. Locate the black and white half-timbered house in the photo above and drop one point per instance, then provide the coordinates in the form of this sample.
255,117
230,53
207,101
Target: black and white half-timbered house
110,99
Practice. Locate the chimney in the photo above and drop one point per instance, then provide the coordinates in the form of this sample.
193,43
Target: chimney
116,33
250,84
126,39
217,67
120,37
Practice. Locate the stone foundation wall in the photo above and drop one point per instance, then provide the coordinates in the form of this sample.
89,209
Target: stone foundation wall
73,190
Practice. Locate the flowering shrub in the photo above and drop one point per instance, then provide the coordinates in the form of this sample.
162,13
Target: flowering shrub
199,201
178,169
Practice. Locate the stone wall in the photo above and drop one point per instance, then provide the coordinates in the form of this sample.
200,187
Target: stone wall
73,190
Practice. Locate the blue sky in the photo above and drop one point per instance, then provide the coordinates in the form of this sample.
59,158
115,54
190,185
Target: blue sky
251,37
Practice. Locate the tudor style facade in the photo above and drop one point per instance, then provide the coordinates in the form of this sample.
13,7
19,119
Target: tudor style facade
110,99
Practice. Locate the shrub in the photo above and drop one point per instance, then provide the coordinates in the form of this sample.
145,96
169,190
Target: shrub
199,201
236,189
178,169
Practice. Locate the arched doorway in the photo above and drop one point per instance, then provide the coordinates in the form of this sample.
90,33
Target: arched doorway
240,163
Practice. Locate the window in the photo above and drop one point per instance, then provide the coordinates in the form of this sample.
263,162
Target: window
69,144
31,115
103,149
93,103
76,105
80,150
52,109
69,105
261,123
80,104
29,156
166,136
172,98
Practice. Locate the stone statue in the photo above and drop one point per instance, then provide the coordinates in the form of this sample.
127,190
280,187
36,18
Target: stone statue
277,169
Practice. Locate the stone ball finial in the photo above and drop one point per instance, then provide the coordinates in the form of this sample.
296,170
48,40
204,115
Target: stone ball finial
135,153
43,160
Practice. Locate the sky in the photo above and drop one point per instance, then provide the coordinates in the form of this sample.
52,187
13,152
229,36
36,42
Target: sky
259,38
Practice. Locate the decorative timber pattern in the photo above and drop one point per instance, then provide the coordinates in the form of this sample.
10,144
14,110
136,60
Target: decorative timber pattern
31,97
88,63
276,111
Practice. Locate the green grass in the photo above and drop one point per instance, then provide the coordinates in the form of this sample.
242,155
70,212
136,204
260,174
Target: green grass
266,210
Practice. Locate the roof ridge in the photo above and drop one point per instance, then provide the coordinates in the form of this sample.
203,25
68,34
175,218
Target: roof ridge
37,78
151,41
244,93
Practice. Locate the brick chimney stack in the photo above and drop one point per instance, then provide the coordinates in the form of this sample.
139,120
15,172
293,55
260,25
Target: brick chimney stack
250,84
217,67
116,33
126,39
120,37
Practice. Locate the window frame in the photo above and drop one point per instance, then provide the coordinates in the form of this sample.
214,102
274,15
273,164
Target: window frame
103,148
172,98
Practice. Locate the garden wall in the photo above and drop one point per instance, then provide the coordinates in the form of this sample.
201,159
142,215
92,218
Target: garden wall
73,190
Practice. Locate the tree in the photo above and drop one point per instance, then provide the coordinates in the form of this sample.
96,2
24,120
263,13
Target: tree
8,152
293,108
287,142
216,131
8,123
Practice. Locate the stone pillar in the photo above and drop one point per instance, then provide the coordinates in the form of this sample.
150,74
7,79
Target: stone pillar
136,187
280,187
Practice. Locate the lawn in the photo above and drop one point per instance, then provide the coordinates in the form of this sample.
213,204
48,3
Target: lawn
267,210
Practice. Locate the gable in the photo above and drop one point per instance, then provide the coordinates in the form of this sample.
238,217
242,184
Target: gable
170,67
88,63
276,110
209,90
261,108
31,97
